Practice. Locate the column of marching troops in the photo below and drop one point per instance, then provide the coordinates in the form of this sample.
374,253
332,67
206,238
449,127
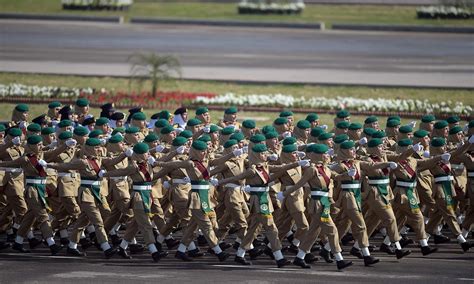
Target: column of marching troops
79,179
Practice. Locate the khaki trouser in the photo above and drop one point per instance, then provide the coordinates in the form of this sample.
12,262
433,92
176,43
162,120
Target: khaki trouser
285,222
6,214
36,213
158,214
16,204
414,219
447,215
180,215
259,221
356,220
381,214
234,214
202,221
120,210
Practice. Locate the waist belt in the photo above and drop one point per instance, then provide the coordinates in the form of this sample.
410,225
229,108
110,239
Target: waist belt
140,187
118,178
350,186
179,181
90,182
35,180
258,189
406,184
470,174
457,166
319,193
379,181
66,175
197,185
12,170
443,178
233,186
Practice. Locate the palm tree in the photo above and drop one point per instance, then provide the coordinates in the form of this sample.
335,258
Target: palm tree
154,67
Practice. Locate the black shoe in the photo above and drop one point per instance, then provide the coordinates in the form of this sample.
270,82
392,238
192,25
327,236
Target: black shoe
356,252
369,260
85,244
74,252
224,245
401,253
136,248
405,241
201,240
310,258
268,252
116,240
4,245
123,253
466,246
159,246
55,249
222,256
34,242
19,248
371,248
326,255
341,264
171,243
282,262
241,260
258,243
182,256
236,245
427,250
64,241
301,263
254,253
347,239
11,238
441,239
109,253
290,238
156,256
195,253
293,249
386,248
316,247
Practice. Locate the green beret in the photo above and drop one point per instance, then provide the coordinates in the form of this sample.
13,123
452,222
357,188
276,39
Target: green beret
369,131
259,148
271,135
239,136
47,130
317,148
179,141
289,148
82,102
420,133
186,134
227,131
93,142
325,136
80,131
453,119
118,130
22,108
286,113
199,145
2,127
268,128
250,124
303,124
280,121
116,138
343,124
34,139
455,130
132,130
371,119
164,114
379,134
34,127
405,142
141,148
312,117
193,122
101,121
405,129
64,123
161,123
428,118
152,137
347,144
230,143
355,126
213,128
205,138
438,142
289,141
471,124
315,132
393,123
230,110
341,138
201,110
394,117
441,124
167,129
343,114
374,142
65,135
257,138
140,116
54,105
15,132
95,133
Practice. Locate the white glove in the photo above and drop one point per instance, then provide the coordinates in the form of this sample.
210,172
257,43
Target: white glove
363,141
304,163
53,144
206,129
471,139
286,134
445,157
22,124
103,141
159,148
301,154
393,165
214,181
426,154
43,163
323,127
331,152
413,124
273,157
16,140
247,188
352,172
101,173
166,184
71,143
418,147
245,149
181,149
238,152
280,196
129,152
151,161
187,179
466,128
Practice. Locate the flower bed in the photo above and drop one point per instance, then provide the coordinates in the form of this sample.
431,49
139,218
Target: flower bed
259,7
96,4
443,12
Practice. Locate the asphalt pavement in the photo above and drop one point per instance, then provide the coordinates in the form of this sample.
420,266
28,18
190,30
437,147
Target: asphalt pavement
242,54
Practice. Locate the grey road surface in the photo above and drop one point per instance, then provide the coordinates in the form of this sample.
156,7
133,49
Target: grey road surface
248,54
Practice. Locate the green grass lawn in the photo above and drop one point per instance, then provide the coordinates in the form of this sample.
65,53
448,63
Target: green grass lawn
329,14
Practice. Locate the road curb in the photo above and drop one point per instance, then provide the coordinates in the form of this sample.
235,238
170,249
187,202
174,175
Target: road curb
402,28
18,16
